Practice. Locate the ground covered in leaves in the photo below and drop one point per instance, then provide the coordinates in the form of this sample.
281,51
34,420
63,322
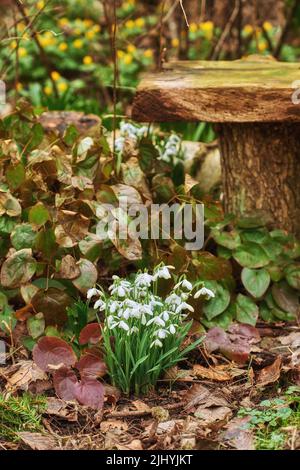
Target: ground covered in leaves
239,390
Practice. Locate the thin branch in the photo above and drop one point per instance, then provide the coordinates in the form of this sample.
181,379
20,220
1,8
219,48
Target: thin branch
227,29
184,13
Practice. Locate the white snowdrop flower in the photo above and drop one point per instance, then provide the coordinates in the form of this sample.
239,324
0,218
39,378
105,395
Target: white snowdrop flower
115,277
155,303
99,304
123,325
184,306
119,144
157,343
185,284
143,280
165,315
134,329
163,272
111,322
162,334
126,314
172,329
173,299
205,292
93,292
144,319
113,307
157,321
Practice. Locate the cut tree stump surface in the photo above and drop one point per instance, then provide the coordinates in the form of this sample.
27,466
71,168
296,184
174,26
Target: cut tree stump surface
242,91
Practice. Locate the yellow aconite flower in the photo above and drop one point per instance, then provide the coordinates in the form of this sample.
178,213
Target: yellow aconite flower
175,42
63,46
129,24
77,31
48,90
208,29
140,22
258,32
13,44
120,54
87,60
90,34
268,26
127,59
22,52
262,46
248,29
97,28
78,43
148,53
40,5
131,48
88,23
193,27
19,86
21,26
63,22
55,75
62,87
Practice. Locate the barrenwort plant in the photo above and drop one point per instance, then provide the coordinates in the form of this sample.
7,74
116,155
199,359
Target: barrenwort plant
142,332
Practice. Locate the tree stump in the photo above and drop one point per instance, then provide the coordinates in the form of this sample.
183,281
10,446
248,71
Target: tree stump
258,126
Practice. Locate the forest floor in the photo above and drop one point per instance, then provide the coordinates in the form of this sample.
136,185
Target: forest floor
211,403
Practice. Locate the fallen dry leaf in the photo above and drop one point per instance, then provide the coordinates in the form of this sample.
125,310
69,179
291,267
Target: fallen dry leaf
212,373
199,395
38,441
27,373
270,374
61,409
239,435
113,424
141,406
213,414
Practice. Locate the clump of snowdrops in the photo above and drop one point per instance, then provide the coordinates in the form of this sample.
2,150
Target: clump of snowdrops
143,333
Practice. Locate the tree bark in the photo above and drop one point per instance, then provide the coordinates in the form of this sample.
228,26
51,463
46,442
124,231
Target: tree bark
261,171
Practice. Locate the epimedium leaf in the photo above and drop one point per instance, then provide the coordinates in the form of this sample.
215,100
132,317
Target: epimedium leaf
217,304
246,310
256,281
89,392
292,275
230,240
46,243
91,366
53,303
286,298
18,269
38,215
23,236
251,255
88,276
148,154
64,380
69,268
51,352
15,176
9,205
91,333
36,325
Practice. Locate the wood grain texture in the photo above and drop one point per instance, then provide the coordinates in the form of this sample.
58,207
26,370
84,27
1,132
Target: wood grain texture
241,91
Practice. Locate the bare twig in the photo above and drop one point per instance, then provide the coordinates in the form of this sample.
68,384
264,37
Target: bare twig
227,29
184,13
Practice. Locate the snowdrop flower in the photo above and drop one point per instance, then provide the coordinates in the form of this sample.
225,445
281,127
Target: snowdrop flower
157,321
123,325
93,292
172,329
165,315
143,280
99,304
114,307
184,283
173,299
206,292
162,334
157,343
163,272
184,306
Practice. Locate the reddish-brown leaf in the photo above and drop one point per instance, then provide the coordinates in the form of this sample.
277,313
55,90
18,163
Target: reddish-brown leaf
51,352
91,366
89,392
91,333
270,374
64,381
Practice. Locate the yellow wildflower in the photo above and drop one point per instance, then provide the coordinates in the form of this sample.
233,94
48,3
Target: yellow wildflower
97,28
90,34
13,44
40,5
175,42
19,86
62,87
63,22
140,22
129,24
148,53
88,60
88,23
77,31
131,48
48,90
120,54
127,59
63,46
268,26
193,28
22,52
21,26
248,29
262,45
55,75
207,27
78,43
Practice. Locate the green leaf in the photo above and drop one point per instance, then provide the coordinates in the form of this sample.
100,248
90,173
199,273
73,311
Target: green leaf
53,303
286,298
23,236
88,276
246,310
7,319
18,269
251,255
266,313
292,274
15,176
219,303
36,325
223,320
6,224
148,155
230,240
255,236
46,243
256,281
38,215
